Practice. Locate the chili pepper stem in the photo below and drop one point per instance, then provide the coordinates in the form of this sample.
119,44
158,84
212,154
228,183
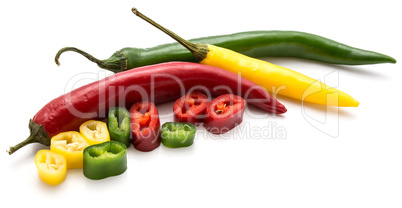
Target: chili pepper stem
199,51
116,63
38,134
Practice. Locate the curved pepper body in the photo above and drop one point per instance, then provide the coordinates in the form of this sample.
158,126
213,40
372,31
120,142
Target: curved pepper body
256,44
259,44
158,83
273,77
69,111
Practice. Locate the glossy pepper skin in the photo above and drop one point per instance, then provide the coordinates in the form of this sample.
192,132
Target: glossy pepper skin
272,77
70,144
145,125
104,160
255,44
224,113
51,166
92,101
296,85
95,132
119,125
176,135
190,108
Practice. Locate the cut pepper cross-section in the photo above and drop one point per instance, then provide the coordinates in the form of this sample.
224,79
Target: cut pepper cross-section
224,113
70,144
119,125
105,159
190,108
95,132
175,135
226,106
51,166
145,125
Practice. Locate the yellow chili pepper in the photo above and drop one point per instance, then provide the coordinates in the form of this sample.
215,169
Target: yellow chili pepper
51,166
71,145
95,132
272,77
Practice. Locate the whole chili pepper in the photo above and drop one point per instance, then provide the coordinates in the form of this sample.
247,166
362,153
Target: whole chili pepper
224,113
175,135
119,125
104,160
70,144
162,83
190,108
145,125
95,132
270,76
51,166
253,43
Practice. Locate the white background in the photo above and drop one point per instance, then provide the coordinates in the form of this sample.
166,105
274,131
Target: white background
349,157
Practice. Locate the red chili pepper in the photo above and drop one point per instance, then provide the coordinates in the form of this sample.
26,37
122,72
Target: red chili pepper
145,125
162,83
190,108
224,113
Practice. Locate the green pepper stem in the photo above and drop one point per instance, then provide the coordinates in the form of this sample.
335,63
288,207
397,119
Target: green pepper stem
87,55
116,63
199,51
37,134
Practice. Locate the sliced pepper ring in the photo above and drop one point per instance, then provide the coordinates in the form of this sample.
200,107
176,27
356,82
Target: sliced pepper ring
119,125
105,159
51,166
224,113
145,125
190,108
95,132
175,135
70,144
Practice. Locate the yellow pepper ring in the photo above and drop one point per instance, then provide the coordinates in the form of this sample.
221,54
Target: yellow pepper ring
95,132
71,145
51,166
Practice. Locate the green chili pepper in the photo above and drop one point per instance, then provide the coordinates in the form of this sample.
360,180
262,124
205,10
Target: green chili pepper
105,159
175,135
119,125
254,44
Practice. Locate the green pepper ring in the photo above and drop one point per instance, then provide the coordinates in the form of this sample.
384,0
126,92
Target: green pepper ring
104,160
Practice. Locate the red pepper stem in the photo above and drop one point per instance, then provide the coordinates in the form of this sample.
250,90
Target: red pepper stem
38,134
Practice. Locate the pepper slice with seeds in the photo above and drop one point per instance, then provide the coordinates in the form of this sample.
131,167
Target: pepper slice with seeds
51,166
95,132
71,145
224,113
190,108
145,125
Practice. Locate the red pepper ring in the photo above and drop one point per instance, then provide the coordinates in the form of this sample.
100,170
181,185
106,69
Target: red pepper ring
145,125
224,113
190,108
